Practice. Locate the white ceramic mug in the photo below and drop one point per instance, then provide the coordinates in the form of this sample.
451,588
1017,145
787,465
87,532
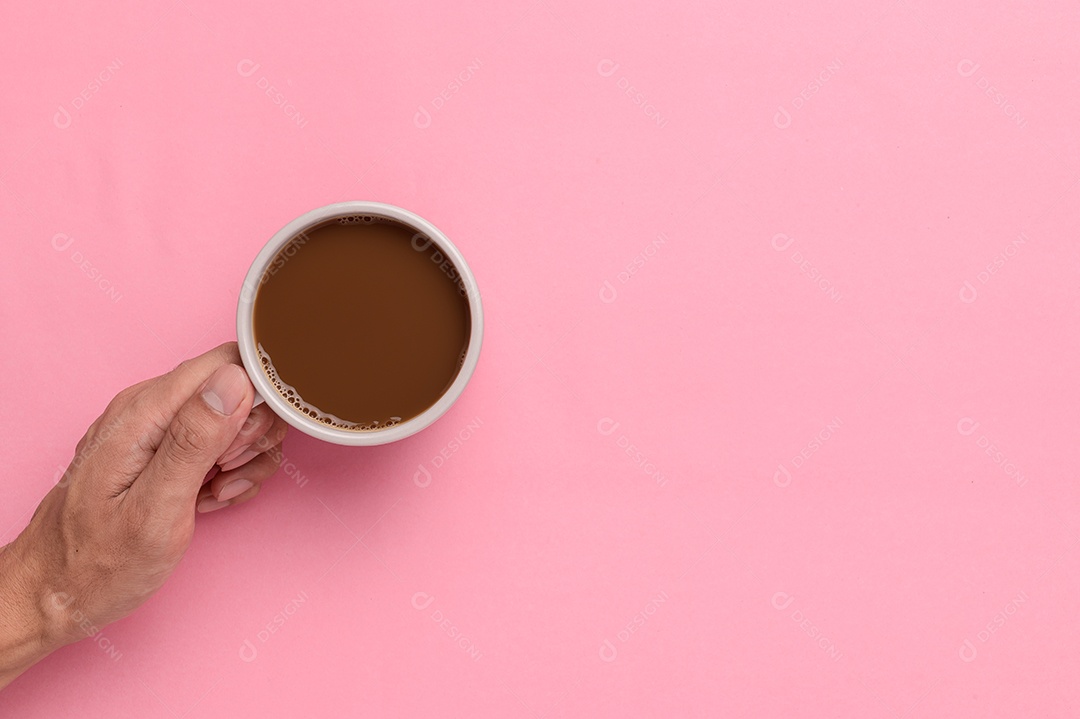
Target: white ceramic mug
246,337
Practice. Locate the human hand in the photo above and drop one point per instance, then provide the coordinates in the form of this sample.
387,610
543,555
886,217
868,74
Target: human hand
120,518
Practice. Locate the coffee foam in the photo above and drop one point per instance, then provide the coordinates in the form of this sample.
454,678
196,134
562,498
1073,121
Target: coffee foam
290,395
365,219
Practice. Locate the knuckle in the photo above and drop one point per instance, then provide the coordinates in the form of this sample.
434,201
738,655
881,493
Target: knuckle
152,416
228,351
183,368
124,397
80,448
146,442
185,438
118,411
103,445
116,406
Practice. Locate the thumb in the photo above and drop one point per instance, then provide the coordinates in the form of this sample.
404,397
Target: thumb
201,430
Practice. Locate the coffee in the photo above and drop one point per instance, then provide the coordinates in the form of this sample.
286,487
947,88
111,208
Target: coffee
361,323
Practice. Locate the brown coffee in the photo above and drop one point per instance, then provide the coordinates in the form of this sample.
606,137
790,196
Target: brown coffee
361,322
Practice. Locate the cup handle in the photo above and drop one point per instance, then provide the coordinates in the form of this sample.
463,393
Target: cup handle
258,400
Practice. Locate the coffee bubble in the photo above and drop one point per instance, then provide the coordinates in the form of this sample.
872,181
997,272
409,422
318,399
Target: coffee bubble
290,395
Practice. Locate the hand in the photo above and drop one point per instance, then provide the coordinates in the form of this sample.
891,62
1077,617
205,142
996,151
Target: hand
121,516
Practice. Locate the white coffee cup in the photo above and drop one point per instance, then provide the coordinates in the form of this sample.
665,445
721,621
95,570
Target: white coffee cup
246,337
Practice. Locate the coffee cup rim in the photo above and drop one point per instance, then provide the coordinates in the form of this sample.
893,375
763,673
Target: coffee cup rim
246,336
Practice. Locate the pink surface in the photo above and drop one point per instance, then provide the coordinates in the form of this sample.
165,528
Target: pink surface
776,414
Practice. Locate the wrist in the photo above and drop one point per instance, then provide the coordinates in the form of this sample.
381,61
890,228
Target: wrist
28,632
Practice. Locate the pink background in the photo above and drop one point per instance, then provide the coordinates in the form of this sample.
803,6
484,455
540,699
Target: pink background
795,211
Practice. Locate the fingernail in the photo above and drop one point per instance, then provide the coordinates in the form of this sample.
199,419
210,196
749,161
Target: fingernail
249,422
226,389
241,458
233,489
233,454
210,504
